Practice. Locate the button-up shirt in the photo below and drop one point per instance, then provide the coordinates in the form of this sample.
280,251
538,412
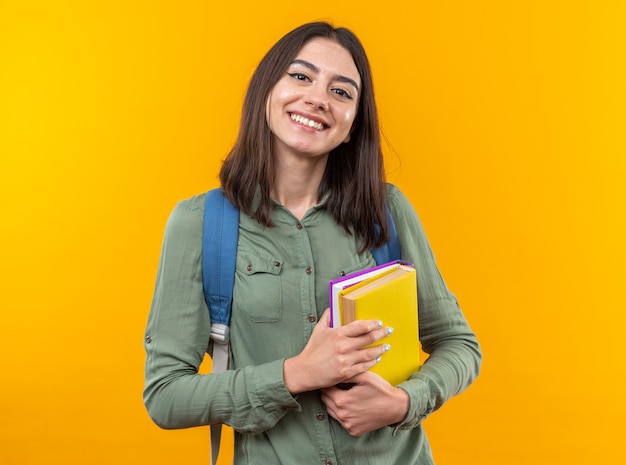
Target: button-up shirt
281,290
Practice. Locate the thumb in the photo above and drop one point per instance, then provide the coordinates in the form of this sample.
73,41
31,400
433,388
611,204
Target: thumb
325,318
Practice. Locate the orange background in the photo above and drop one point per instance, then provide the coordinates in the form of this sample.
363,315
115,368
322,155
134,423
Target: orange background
506,128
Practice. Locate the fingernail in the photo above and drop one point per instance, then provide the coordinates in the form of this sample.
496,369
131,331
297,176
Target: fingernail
380,323
378,359
387,347
389,330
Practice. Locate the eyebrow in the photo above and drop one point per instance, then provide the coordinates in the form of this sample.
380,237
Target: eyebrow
338,77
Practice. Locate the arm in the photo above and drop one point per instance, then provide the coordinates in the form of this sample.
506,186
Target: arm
177,336
454,354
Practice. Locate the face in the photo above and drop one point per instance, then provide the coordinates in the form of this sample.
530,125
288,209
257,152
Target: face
312,107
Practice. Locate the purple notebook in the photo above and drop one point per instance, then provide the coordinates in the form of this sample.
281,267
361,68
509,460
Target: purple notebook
338,284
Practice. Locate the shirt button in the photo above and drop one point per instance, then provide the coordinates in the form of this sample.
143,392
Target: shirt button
328,462
249,267
319,416
148,340
276,263
312,318
309,270
342,273
299,225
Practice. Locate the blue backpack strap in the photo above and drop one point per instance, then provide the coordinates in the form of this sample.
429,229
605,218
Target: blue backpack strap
219,255
391,250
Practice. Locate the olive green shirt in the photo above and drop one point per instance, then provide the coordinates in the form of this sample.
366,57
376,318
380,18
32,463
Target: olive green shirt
281,289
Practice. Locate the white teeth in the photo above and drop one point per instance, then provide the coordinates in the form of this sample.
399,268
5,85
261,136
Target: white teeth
307,122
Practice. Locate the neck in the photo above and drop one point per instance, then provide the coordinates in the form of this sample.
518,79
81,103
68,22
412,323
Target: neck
297,184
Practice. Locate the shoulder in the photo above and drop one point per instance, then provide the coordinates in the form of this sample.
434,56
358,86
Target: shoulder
186,219
398,203
393,192
193,206
405,218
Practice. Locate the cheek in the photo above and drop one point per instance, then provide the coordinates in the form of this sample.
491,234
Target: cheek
272,106
278,98
282,92
348,119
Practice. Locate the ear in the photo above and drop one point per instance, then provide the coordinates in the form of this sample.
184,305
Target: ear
347,139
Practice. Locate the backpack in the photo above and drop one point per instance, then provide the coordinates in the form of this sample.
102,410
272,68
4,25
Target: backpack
219,255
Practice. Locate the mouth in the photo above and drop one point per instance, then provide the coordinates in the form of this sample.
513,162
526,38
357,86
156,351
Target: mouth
318,126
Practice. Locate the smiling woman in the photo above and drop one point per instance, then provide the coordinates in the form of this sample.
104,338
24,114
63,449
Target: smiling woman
311,111
307,174
353,177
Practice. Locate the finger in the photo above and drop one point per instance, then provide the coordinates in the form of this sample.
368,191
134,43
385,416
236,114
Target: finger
369,354
372,337
360,378
376,353
359,327
368,358
330,406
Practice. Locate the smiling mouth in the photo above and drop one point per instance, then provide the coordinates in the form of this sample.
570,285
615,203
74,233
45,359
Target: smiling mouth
307,122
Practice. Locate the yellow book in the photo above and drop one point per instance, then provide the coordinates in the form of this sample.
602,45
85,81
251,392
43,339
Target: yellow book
392,298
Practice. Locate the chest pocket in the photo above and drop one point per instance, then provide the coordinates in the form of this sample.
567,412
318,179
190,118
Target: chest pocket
258,287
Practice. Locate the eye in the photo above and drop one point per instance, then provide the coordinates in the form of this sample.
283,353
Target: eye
343,93
299,76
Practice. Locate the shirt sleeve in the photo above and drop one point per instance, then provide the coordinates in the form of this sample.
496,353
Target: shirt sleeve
250,399
454,354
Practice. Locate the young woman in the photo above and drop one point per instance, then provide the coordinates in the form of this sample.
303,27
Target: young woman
307,174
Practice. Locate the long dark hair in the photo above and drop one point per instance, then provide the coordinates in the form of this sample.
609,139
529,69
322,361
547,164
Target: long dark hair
354,177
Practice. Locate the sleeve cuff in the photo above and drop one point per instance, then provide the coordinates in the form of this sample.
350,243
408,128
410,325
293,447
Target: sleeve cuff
270,389
418,406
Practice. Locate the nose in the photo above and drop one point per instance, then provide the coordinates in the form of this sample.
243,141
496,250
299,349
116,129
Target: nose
317,97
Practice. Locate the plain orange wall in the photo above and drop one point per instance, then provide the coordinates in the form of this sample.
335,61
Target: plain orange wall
506,125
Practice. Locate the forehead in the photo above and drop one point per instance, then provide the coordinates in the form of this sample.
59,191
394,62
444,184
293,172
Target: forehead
331,57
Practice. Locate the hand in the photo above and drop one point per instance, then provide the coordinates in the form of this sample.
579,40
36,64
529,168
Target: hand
333,355
369,404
